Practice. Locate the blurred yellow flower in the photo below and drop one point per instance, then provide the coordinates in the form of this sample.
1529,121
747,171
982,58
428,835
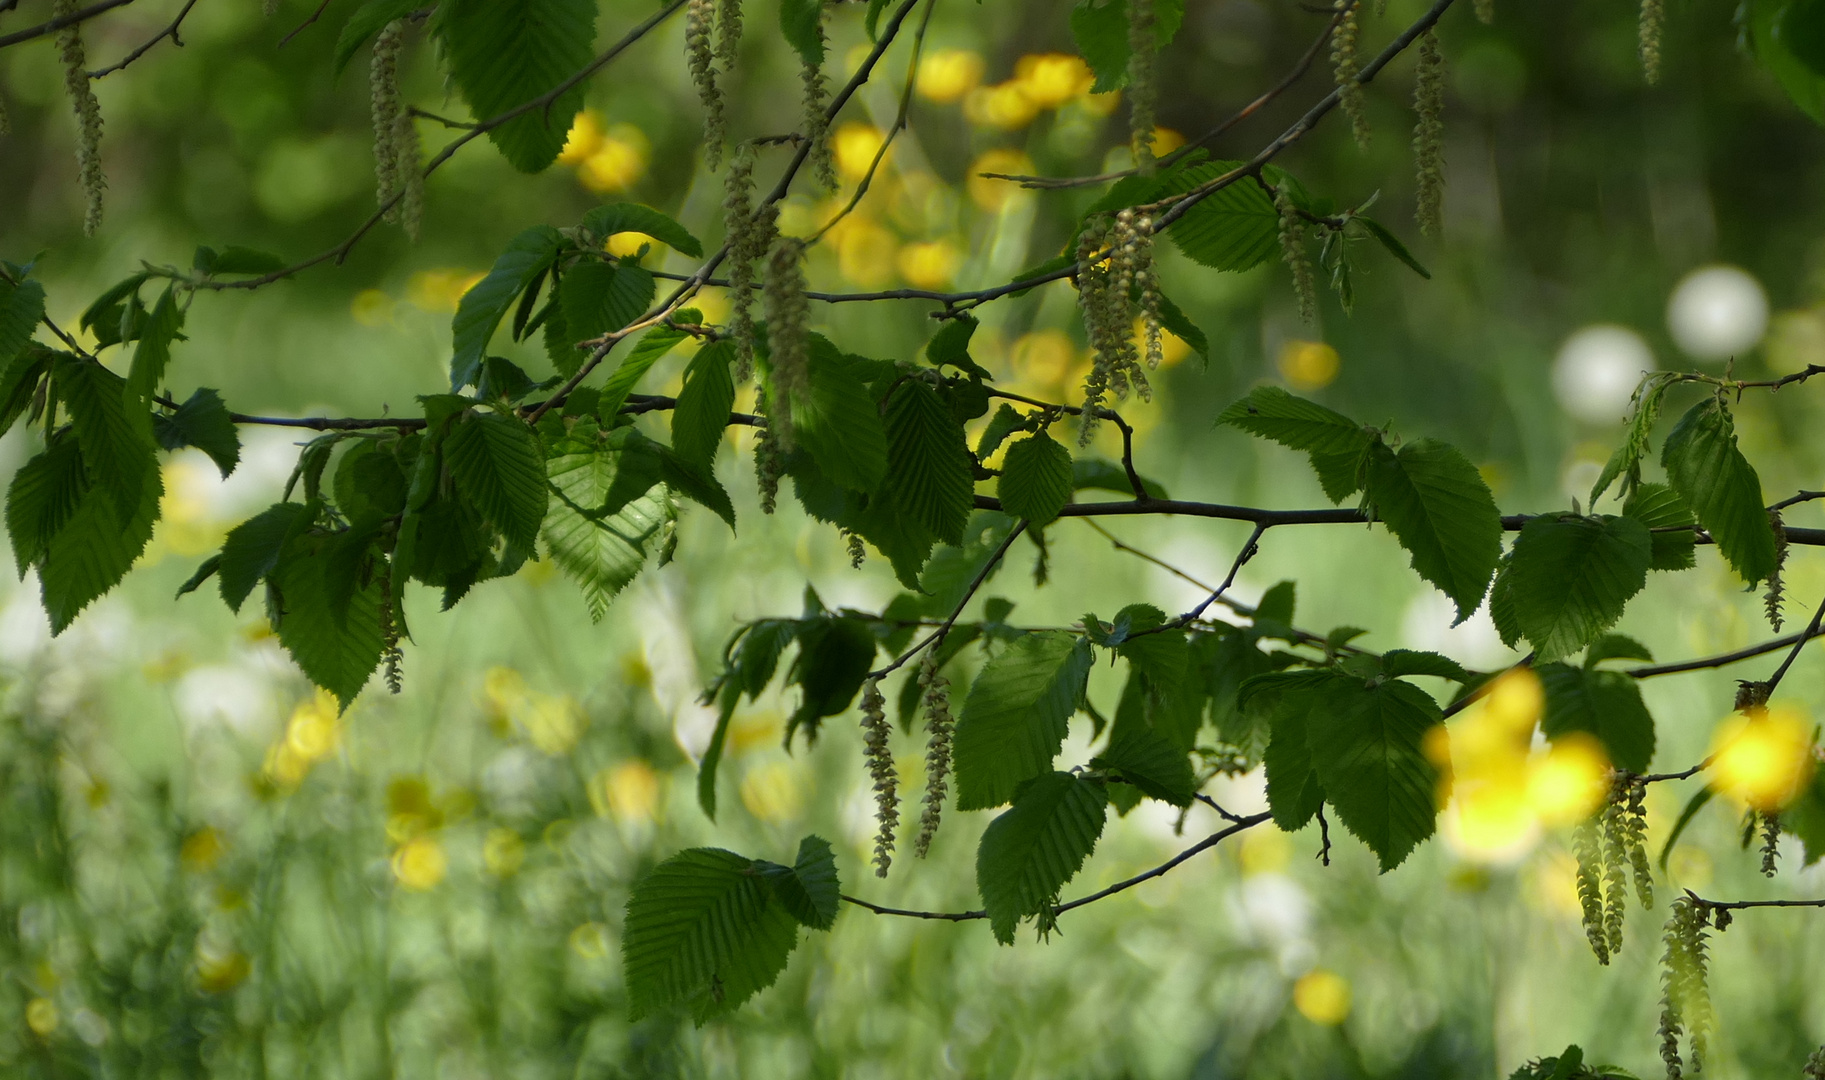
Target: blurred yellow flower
865,253
1004,106
1763,759
1048,80
623,244
773,792
1323,997
503,852
440,290
1570,782
1047,361
1264,851
371,307
186,526
420,863
202,849
41,1016
167,666
994,194
315,728
750,730
854,145
947,74
590,941
1308,365
1166,140
930,264
635,671
410,811
618,161
584,138
1101,104
554,722
219,968
628,791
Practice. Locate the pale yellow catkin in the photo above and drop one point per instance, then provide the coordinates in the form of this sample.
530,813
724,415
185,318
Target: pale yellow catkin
1587,848
1142,90
879,757
1292,250
788,327
817,127
1429,136
76,84
747,241
1653,21
728,33
699,55
936,701
385,103
1346,65
411,176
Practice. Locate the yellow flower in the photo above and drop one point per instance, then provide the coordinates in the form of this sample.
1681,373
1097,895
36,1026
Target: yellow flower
628,791
315,728
865,253
1049,80
1323,997
590,941
618,161
1047,362
420,864
371,307
584,139
1308,365
1166,140
410,811
553,722
503,852
773,793
930,265
1263,851
201,850
947,74
1004,106
1570,782
994,194
854,145
440,290
1763,760
41,1016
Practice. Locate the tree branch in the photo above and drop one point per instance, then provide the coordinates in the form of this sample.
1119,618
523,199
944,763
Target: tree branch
167,32
51,26
937,636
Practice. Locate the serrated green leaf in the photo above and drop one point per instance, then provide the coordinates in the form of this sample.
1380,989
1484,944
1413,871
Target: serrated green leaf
1625,462
1437,505
1006,421
601,551
605,221
928,462
1015,717
951,345
482,308
1616,647
808,889
1365,746
95,548
495,462
235,259
116,443
1035,479
839,425
1105,475
1398,662
1237,228
1571,577
20,382
505,55
1767,32
1805,818
1036,847
802,23
201,421
1393,245
45,494
1704,465
253,547
696,484
21,306
702,932
1180,324
1101,33
1150,761
834,655
702,413
1604,704
337,649
1294,422
646,352
153,353
369,483
1658,506
599,298
1294,791
204,572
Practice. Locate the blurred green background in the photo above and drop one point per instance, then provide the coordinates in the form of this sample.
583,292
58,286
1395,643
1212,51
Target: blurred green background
206,873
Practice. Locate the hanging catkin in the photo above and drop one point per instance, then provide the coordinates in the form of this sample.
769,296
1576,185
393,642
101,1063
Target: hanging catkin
1776,594
749,236
1635,828
1771,842
817,125
76,84
1346,65
411,175
936,701
699,55
1685,1004
728,33
879,756
384,99
788,327
392,656
1142,41
1429,135
1292,249
1587,847
1485,11
1653,20
768,466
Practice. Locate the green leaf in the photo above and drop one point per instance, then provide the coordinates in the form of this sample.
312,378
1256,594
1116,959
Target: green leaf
1395,248
1805,818
1295,423
1625,463
1105,475
802,22
646,352
20,382
808,889
839,425
45,494
1015,717
1604,704
1571,577
153,354
1693,806
1006,421
1102,36
600,550
1782,48
704,402
834,655
1437,505
482,308
1181,325
1237,228
1658,506
1036,847
1294,792
928,462
369,483
337,649
712,755
95,548
605,221
495,462
116,443
253,547
1399,662
1365,746
204,572
951,345
1704,465
1036,479
201,421
112,315
695,483
599,298
21,306
1616,647
1151,762
505,55
704,932
366,21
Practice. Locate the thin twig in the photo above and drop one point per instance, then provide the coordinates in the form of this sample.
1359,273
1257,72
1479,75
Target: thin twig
1722,659
937,636
51,26
1812,631
306,24
167,32
1738,905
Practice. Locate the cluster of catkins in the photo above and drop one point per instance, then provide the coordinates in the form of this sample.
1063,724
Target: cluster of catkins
1115,270
703,57
399,180
1429,135
1685,1005
1610,846
1346,66
1142,89
936,701
879,756
88,115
